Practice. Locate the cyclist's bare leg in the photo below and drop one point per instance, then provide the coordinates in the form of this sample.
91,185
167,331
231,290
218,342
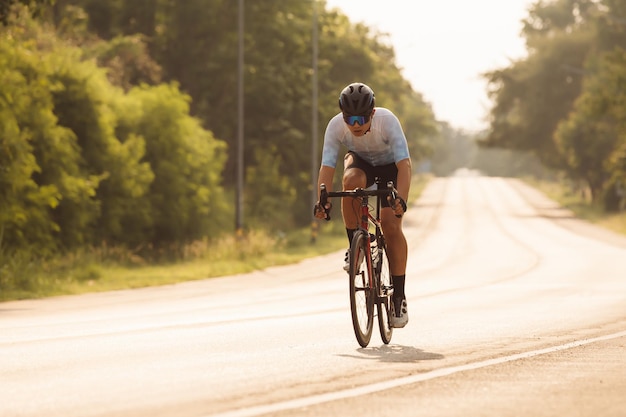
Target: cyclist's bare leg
350,207
395,240
397,253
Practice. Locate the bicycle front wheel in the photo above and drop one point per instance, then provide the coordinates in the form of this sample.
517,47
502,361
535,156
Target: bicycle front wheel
385,291
362,295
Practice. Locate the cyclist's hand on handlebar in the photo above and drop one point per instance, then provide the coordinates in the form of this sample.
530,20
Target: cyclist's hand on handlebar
398,205
322,212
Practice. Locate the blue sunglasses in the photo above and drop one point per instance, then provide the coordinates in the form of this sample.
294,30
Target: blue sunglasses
352,120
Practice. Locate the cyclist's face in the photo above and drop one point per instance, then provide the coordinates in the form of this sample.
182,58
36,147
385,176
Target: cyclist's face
360,130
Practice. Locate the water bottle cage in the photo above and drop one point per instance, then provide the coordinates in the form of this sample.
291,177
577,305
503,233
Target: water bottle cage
375,255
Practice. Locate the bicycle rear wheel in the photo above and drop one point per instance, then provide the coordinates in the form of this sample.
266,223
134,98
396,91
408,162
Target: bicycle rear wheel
385,292
362,295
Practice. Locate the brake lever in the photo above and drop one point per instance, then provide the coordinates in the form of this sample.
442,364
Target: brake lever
324,200
394,194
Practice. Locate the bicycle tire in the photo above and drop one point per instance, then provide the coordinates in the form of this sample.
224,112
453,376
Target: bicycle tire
385,294
362,296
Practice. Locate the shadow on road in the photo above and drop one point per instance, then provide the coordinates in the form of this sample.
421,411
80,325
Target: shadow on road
396,353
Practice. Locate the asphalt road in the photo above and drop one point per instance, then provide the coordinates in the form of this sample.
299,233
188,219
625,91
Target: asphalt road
516,309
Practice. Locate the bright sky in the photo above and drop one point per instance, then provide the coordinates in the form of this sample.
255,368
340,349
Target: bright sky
443,46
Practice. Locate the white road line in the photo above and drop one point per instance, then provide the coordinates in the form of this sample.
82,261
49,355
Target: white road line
381,386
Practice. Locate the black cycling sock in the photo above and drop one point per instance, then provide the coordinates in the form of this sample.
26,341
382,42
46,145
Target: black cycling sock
350,233
398,286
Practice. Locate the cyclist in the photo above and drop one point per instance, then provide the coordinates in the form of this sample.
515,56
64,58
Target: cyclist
377,147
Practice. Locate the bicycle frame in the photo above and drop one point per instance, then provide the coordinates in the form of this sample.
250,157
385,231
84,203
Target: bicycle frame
366,217
377,293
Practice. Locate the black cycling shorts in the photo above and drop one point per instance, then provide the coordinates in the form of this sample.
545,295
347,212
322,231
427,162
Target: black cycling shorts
385,173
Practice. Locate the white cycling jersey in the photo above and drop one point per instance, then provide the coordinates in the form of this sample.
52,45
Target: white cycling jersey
383,144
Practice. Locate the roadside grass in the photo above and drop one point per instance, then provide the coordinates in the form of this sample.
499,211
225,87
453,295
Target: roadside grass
107,268
95,269
580,204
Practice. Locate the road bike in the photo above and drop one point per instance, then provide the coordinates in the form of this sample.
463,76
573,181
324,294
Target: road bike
371,286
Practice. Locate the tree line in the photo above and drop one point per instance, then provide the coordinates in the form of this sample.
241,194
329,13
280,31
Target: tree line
118,119
566,100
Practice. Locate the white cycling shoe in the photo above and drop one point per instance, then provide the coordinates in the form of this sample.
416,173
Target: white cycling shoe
346,260
400,315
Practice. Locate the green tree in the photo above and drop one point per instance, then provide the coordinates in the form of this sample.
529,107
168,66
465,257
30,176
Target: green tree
24,205
534,94
49,181
127,61
186,197
611,25
267,208
594,135
88,163
34,6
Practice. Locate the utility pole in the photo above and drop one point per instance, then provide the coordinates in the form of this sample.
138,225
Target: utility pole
240,171
314,123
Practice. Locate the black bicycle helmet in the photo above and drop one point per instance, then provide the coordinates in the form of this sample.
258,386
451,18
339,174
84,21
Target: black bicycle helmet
357,99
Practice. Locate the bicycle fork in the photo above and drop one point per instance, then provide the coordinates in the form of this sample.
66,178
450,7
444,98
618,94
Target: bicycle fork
368,252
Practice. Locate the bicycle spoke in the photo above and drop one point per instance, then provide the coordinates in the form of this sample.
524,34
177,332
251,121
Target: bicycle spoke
384,304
